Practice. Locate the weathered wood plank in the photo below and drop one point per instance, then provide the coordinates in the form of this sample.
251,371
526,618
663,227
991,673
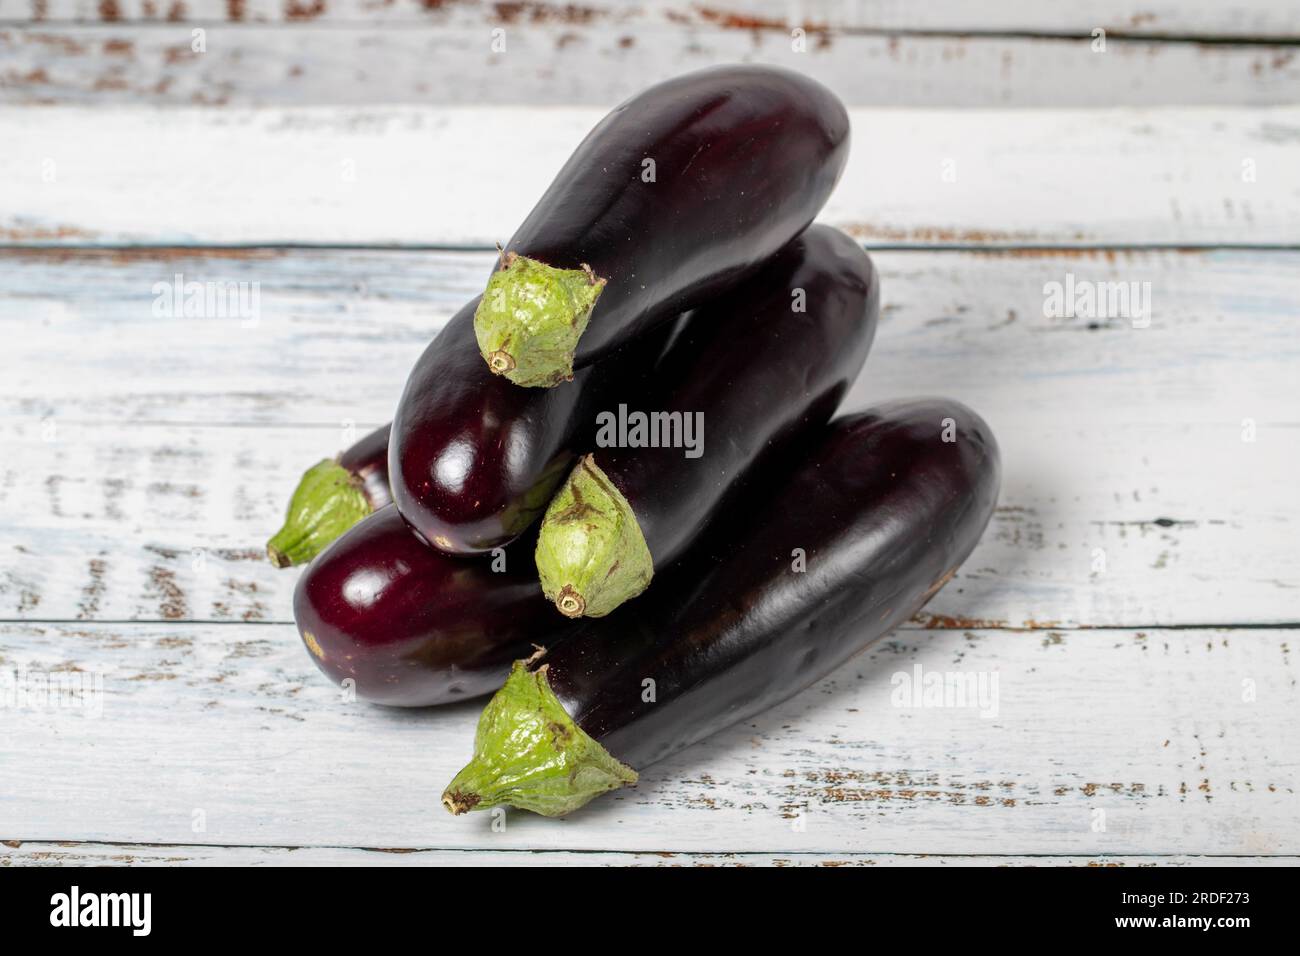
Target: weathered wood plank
130,854
1097,526
553,63
1277,19
399,176
228,735
336,331
1130,483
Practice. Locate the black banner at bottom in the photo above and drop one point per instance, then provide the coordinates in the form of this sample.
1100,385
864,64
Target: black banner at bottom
306,905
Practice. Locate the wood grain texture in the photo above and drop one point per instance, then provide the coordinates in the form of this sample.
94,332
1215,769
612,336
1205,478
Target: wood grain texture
401,176
1130,497
228,735
1277,19
550,62
16,853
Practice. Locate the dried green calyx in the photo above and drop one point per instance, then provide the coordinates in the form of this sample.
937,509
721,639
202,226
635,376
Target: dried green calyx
327,502
531,317
529,753
591,554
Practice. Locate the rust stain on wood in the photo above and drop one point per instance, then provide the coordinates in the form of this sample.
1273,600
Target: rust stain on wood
250,649
28,600
542,13
176,54
856,786
937,622
736,20
305,10
937,234
240,554
33,232
1062,252
111,83
63,44
172,604
94,589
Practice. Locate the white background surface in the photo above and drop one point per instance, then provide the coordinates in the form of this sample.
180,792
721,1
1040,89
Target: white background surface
358,160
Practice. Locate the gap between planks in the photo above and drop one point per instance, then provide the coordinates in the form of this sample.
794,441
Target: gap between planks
1122,36
79,852
1267,21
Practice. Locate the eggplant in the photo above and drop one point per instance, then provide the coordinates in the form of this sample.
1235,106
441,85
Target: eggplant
876,518
759,368
672,198
411,626
474,460
331,497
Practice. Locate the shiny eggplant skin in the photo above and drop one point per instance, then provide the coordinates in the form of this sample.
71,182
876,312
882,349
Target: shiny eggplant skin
473,459
412,626
744,159
884,510
367,460
764,377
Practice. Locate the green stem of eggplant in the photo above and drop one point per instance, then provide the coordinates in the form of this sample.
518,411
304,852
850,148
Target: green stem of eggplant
529,753
591,555
327,502
531,317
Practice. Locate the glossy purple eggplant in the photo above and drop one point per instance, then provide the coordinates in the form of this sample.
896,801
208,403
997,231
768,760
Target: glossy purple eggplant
332,496
751,374
473,460
676,195
412,626
876,518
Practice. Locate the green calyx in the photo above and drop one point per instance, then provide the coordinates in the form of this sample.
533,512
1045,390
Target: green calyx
529,753
530,319
591,554
327,502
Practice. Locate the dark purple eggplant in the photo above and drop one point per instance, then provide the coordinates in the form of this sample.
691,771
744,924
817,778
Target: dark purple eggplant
678,193
412,626
876,518
474,460
761,367
332,496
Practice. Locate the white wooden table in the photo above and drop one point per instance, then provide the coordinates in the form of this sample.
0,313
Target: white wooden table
1137,595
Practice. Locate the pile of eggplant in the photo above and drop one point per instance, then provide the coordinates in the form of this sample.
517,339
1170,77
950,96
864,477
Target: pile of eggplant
614,494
